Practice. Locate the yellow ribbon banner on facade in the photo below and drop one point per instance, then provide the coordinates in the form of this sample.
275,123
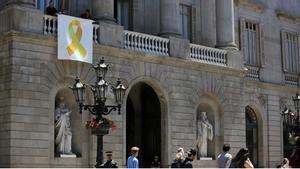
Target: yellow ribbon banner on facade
75,39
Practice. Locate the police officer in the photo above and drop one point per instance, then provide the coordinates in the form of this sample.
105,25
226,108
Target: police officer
110,163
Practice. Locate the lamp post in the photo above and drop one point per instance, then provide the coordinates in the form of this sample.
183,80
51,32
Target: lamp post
295,117
99,108
297,108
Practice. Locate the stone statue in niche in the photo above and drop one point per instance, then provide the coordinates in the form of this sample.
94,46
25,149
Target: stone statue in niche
204,132
63,134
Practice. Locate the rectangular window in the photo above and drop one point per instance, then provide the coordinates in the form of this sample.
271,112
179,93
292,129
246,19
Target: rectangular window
251,43
60,5
186,21
290,52
123,13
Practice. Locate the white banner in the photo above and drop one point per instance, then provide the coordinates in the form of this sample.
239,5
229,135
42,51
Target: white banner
75,39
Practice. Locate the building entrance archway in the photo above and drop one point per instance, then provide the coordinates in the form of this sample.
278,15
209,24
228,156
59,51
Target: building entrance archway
252,135
143,123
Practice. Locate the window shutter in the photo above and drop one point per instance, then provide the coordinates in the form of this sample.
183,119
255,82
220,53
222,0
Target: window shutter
261,45
283,53
193,24
242,37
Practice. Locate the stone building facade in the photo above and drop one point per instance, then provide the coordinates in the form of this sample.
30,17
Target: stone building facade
176,64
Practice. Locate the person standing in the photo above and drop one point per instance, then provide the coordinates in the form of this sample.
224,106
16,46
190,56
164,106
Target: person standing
187,163
285,163
224,159
178,161
86,15
295,157
132,161
155,163
110,163
51,10
241,160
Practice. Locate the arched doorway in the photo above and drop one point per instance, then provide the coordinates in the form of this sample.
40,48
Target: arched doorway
287,129
252,135
143,123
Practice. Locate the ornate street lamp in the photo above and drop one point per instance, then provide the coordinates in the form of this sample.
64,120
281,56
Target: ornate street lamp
293,118
297,108
99,108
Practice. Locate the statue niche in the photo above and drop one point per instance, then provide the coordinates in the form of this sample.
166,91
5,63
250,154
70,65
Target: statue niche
205,132
63,133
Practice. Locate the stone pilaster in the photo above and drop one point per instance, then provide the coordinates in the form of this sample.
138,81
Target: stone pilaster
169,18
225,24
103,10
21,15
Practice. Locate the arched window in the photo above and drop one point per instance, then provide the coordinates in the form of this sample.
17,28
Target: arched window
252,135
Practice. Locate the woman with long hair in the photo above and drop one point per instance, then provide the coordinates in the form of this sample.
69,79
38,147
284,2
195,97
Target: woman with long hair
241,160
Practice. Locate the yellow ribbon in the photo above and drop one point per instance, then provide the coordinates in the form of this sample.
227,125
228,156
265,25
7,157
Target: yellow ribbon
75,37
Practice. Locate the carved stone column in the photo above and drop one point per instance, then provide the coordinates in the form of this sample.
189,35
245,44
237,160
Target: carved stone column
103,10
169,18
225,24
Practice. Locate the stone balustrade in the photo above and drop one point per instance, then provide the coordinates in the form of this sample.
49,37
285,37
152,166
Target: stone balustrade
146,43
96,28
150,44
291,79
253,72
208,55
50,25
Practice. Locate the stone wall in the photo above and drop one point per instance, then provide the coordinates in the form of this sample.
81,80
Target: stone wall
31,76
37,76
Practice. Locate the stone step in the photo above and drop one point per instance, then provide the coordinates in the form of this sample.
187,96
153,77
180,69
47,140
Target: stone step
205,164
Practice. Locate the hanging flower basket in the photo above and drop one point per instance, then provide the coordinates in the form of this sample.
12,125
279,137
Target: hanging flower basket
100,126
293,138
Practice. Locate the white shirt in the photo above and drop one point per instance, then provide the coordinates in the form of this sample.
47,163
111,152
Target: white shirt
224,160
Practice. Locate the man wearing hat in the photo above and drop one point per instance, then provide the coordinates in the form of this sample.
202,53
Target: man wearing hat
187,163
110,163
132,161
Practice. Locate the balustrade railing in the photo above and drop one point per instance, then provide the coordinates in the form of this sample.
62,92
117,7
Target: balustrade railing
146,43
50,25
208,55
149,44
291,79
252,73
96,28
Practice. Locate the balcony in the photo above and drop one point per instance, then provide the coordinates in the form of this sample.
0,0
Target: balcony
145,43
253,73
208,55
291,79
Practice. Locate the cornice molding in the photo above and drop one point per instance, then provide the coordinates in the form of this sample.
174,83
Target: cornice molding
251,5
286,16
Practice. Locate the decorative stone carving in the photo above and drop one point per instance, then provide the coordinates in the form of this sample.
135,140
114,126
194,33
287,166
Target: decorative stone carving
262,100
63,134
205,132
282,103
